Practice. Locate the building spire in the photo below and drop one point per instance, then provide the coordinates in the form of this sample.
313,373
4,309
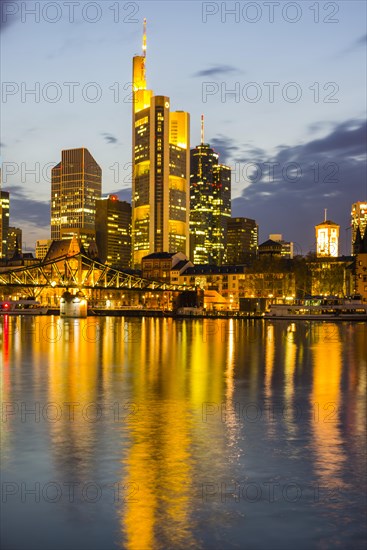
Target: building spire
145,38
325,211
202,129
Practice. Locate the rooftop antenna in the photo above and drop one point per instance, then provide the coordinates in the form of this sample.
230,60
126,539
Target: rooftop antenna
145,38
202,129
325,210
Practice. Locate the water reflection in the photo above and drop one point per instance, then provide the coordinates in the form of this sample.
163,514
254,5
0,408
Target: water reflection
162,414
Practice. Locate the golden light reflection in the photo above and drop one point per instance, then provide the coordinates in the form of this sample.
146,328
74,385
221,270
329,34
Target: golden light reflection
269,359
325,403
159,458
289,369
167,370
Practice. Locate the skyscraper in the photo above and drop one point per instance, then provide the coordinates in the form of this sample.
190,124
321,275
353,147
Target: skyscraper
14,242
210,205
242,240
358,220
4,222
113,231
75,186
160,194
327,238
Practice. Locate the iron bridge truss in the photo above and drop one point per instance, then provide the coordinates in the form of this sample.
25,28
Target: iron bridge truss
81,272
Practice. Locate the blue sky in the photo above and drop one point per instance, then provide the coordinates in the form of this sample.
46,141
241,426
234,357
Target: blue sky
292,154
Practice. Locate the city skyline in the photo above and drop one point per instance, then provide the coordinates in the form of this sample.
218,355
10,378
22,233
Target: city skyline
324,139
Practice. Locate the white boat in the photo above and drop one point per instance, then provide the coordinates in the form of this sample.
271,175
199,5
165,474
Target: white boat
22,307
320,309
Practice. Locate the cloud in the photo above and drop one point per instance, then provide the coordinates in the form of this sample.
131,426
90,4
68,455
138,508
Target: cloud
289,195
225,146
10,12
216,70
124,194
111,140
26,209
360,42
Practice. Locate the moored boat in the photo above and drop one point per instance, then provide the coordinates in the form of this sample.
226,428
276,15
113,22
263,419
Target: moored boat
22,307
318,308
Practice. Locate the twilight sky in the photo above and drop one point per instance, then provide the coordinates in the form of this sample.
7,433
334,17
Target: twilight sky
282,86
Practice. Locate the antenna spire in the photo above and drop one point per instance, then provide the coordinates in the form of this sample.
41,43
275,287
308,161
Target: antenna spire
325,210
145,38
202,129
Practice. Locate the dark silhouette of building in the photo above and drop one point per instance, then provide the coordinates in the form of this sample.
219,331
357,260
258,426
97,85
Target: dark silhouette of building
113,231
242,240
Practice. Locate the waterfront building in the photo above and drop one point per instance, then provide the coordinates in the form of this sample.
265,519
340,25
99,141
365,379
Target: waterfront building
158,265
331,276
210,205
361,274
113,231
160,190
225,285
75,186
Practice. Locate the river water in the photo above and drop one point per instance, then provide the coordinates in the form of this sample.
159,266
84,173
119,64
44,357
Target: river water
160,433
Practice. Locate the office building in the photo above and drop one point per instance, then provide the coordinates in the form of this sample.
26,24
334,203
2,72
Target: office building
358,222
160,194
42,247
4,223
113,231
287,247
210,205
14,244
242,240
75,186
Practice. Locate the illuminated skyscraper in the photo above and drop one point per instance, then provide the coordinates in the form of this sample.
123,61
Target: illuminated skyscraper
4,222
327,238
113,231
75,186
210,205
160,194
358,220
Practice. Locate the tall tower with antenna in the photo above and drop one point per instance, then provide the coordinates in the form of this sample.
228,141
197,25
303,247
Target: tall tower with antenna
210,204
161,166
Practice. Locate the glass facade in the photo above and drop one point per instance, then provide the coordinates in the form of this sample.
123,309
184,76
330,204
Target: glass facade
160,194
113,231
210,206
4,222
75,186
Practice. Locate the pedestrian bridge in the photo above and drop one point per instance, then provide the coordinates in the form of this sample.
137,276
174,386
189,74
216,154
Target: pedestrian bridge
81,272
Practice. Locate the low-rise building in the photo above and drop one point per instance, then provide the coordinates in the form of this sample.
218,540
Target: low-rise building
158,265
361,275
